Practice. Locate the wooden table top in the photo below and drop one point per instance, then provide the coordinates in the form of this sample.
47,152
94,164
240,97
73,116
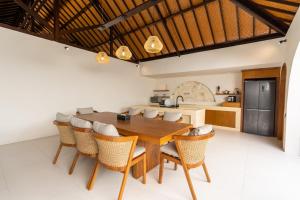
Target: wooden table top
148,130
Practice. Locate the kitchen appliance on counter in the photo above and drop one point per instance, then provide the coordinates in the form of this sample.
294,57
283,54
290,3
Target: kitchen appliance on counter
159,99
231,99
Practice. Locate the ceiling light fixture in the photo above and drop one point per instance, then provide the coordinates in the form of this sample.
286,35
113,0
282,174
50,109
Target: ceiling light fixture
153,44
102,58
123,53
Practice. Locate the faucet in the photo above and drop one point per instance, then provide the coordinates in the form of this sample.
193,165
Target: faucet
177,105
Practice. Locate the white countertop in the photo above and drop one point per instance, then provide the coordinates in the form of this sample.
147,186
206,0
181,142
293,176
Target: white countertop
198,107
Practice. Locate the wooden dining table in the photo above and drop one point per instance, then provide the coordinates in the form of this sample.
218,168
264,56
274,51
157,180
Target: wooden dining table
152,133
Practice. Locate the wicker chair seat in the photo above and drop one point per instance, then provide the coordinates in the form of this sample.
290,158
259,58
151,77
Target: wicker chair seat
138,151
170,149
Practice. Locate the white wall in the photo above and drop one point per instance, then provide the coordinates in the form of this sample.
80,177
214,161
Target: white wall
261,54
227,81
292,133
38,78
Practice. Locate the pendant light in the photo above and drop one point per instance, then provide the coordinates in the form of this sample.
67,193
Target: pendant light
153,44
102,58
123,53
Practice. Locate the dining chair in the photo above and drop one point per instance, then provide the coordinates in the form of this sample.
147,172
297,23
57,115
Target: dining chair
117,153
85,142
151,114
65,131
134,111
88,110
188,151
172,116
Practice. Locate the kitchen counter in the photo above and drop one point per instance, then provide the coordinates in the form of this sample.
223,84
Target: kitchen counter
228,118
191,115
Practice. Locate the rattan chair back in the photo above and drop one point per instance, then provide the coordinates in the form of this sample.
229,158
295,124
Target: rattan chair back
85,141
65,131
191,149
115,152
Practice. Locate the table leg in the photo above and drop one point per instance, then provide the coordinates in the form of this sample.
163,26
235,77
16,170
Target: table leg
152,155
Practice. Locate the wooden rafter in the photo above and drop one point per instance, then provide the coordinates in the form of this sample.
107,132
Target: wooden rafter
263,16
284,2
184,26
168,30
277,9
129,13
77,15
106,18
33,14
86,28
56,19
197,24
27,14
152,23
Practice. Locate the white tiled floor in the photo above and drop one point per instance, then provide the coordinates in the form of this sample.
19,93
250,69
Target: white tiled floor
242,167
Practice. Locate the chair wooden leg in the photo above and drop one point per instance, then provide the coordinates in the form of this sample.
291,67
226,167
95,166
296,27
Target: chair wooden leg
123,183
161,169
175,166
57,153
93,176
188,178
74,162
145,168
206,172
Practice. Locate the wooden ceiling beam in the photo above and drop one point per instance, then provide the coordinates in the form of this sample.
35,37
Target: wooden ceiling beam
146,25
33,14
277,9
217,46
27,14
130,13
263,16
289,3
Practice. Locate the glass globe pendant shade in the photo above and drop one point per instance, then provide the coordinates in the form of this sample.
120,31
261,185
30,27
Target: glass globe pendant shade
123,53
102,58
153,45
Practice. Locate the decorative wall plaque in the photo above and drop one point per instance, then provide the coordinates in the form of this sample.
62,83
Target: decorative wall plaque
194,92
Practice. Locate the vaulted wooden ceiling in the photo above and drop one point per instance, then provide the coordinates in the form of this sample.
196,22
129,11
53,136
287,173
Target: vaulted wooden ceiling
184,26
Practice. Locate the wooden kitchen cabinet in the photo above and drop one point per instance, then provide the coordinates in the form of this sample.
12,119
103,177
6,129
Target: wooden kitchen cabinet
220,118
232,104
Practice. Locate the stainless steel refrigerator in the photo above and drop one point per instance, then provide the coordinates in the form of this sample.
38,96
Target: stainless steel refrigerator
259,107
